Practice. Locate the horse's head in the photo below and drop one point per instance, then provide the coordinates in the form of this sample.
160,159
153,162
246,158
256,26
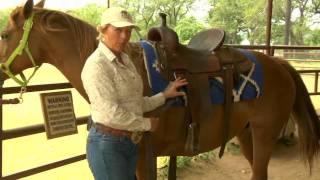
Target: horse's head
18,44
166,44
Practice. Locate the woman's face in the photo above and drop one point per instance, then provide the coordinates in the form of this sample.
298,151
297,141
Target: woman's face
116,38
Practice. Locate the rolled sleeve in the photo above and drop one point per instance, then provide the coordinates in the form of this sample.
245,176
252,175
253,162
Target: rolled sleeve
151,103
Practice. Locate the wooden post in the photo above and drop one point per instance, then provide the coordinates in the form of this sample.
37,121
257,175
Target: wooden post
268,31
172,168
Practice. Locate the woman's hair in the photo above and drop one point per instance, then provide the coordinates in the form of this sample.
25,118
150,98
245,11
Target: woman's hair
100,31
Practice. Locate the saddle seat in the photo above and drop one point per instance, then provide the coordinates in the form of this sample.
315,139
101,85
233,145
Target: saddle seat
207,40
205,46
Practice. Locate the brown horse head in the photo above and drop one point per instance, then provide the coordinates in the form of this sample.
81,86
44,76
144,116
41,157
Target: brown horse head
52,37
11,38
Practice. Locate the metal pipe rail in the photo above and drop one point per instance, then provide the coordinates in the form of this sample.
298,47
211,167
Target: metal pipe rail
35,129
316,80
30,130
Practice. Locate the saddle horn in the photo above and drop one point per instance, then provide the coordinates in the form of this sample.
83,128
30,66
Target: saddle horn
163,17
164,34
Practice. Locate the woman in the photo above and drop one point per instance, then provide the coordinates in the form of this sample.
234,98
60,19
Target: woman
115,91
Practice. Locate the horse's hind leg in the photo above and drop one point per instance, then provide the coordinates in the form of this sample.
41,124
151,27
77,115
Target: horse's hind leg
245,140
264,139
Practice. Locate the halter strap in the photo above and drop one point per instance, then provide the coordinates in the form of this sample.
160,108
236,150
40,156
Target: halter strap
22,47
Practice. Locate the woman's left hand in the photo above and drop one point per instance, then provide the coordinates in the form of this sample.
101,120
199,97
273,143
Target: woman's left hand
172,90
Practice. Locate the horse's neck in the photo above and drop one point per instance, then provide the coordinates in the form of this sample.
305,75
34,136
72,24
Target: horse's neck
64,54
70,65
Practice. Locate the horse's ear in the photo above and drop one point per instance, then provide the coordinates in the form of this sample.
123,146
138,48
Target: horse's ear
27,9
40,4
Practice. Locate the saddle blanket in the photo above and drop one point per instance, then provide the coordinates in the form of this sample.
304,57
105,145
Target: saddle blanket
249,86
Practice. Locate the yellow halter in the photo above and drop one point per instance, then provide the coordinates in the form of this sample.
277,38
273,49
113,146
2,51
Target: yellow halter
23,46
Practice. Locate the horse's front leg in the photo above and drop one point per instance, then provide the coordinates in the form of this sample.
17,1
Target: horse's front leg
141,166
147,162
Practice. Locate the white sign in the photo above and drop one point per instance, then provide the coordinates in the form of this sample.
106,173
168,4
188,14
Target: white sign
58,112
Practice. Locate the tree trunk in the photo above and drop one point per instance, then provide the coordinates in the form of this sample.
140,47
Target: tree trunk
287,22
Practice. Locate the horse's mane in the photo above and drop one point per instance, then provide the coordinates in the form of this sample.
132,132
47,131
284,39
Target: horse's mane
84,34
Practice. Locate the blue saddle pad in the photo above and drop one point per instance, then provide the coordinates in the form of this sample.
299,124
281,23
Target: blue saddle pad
250,90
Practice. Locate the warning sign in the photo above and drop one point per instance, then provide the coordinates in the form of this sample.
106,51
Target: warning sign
58,112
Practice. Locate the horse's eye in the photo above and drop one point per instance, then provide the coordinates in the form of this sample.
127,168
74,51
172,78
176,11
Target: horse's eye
3,67
4,36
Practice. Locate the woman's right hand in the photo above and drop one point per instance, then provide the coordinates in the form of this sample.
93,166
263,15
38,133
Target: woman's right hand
154,121
172,90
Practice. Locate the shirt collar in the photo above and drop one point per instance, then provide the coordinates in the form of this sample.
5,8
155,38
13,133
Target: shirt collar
110,55
107,52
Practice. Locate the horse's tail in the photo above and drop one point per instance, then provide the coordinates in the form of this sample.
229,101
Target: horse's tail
306,117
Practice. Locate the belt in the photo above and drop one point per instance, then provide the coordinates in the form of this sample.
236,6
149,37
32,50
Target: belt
134,136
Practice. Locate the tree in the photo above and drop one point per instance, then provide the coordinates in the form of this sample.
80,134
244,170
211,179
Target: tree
244,19
146,12
176,10
255,21
227,15
241,19
313,38
295,19
4,15
90,13
187,28
316,6
287,22
143,11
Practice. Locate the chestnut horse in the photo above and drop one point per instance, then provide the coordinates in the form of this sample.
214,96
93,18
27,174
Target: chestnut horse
65,42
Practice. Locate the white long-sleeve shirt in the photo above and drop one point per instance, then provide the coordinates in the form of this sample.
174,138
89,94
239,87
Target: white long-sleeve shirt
115,91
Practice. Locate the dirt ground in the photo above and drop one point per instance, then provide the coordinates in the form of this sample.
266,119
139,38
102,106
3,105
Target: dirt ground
286,164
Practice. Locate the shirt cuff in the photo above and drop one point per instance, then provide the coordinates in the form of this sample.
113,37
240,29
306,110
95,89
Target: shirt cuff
147,124
160,99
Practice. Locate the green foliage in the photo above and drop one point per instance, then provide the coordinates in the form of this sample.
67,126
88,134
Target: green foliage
255,21
244,19
4,14
176,10
240,19
183,161
228,15
90,13
233,148
207,156
146,12
302,12
313,38
187,28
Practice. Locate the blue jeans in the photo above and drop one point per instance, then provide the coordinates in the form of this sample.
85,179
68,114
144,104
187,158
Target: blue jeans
111,157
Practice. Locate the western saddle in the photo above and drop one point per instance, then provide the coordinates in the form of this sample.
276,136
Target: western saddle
203,58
